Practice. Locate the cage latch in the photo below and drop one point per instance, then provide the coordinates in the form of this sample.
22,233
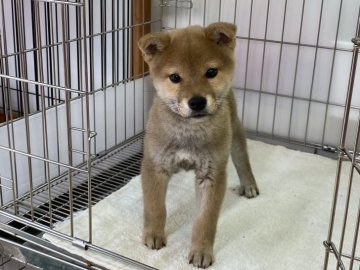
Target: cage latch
177,3
330,149
80,243
356,41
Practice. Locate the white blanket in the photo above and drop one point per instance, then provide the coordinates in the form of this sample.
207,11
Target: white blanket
283,228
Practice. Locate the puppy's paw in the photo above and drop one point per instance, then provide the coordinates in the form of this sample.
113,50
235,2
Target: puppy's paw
154,241
201,258
249,191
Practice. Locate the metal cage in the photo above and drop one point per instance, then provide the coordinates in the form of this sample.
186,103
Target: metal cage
345,256
75,94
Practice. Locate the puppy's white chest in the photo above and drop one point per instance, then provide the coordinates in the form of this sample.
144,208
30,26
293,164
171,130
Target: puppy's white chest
184,157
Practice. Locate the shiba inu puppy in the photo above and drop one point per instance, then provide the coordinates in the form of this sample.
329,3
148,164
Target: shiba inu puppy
193,125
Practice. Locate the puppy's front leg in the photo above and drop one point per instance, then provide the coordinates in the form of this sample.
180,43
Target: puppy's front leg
154,184
210,192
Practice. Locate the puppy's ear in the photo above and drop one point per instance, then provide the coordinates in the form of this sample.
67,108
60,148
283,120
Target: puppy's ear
152,44
222,33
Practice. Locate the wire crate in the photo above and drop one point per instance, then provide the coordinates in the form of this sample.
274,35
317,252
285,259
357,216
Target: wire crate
75,95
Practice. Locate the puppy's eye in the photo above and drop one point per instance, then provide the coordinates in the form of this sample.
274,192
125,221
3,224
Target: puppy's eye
211,73
175,78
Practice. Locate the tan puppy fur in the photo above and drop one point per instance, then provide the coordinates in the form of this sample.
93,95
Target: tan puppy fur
190,133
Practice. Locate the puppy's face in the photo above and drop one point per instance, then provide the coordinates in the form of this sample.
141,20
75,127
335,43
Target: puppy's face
192,68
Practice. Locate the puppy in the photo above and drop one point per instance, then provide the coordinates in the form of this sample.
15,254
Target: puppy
193,125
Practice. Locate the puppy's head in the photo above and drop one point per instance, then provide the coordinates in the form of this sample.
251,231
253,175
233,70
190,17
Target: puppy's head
192,68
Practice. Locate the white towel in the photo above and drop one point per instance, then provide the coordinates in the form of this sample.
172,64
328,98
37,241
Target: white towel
283,228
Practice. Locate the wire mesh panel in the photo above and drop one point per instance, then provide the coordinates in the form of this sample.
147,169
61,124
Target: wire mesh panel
344,224
73,74
39,147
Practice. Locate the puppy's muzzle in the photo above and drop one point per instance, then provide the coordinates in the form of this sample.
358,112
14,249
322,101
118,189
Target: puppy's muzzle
197,104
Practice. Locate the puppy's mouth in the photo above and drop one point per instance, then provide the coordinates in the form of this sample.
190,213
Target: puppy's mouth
199,115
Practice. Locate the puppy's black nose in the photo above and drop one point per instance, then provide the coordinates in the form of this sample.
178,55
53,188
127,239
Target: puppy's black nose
197,103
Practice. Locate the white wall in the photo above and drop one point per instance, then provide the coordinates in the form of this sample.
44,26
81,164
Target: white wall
124,113
321,75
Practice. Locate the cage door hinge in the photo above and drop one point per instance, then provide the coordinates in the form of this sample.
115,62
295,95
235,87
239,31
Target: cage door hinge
187,4
330,246
80,243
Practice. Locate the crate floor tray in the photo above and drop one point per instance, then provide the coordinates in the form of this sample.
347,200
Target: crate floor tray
283,228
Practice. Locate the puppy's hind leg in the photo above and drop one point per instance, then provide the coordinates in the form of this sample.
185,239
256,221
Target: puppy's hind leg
154,185
239,155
